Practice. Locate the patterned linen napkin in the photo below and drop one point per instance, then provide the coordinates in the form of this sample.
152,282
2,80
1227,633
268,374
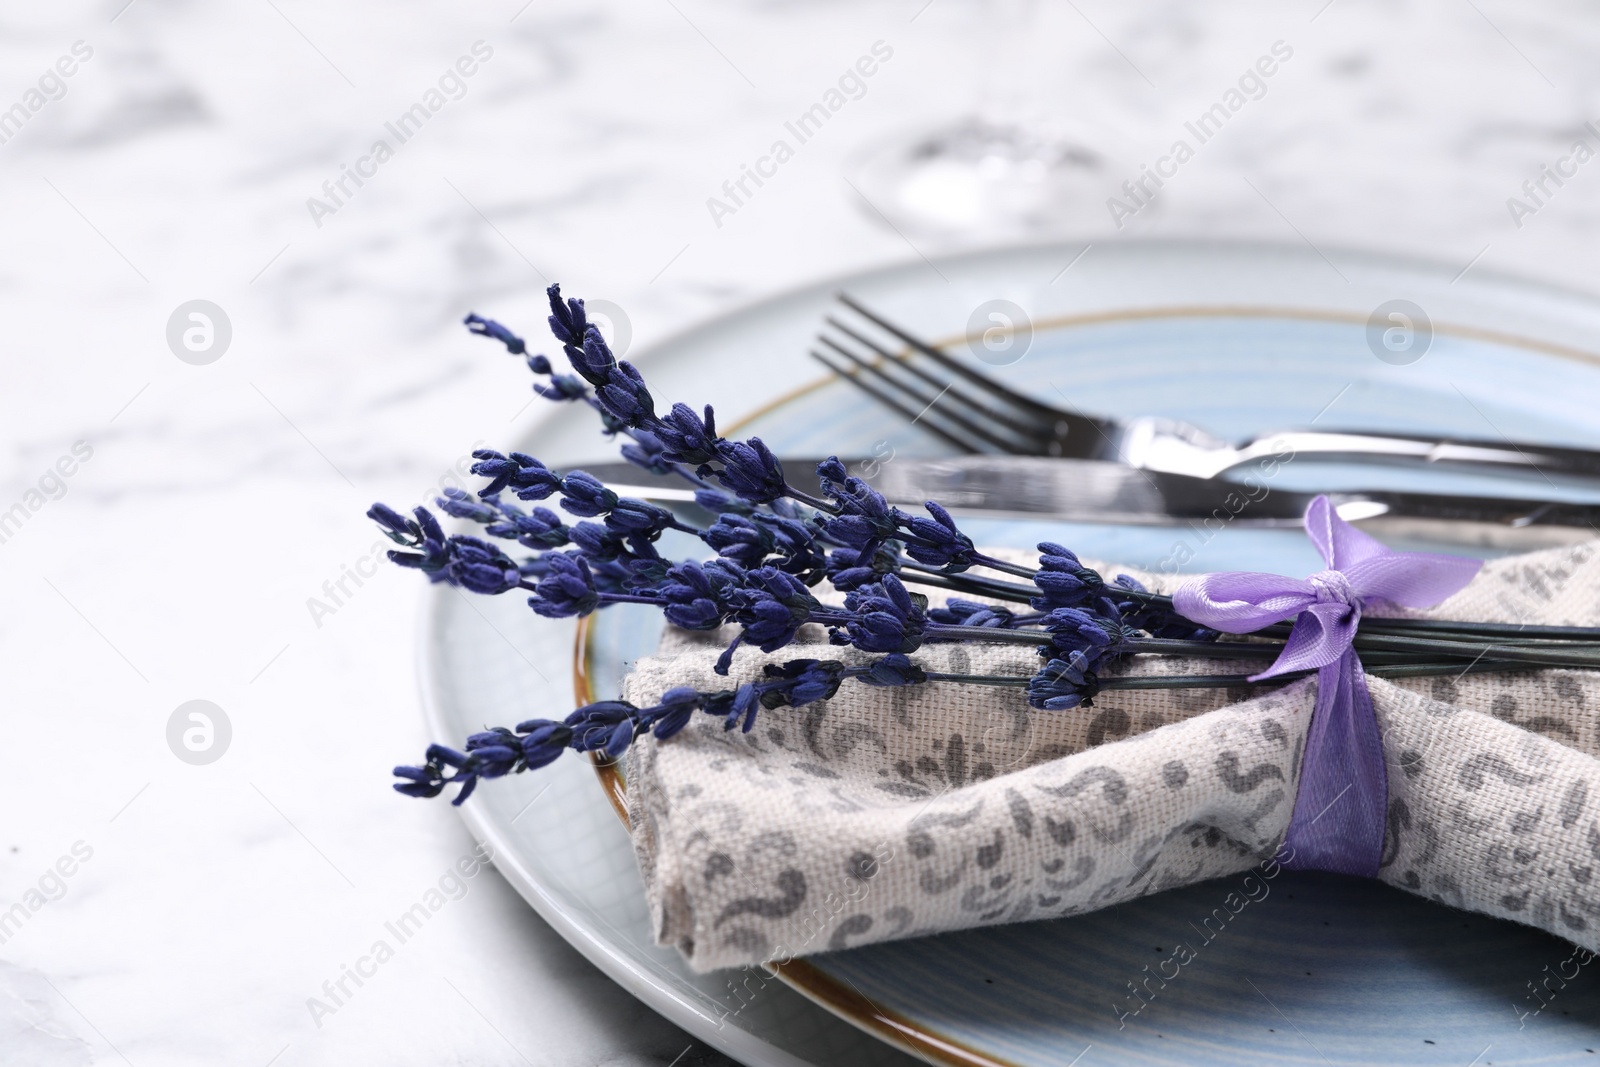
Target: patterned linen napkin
891,813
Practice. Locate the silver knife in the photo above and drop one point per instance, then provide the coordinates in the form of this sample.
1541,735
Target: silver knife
1072,490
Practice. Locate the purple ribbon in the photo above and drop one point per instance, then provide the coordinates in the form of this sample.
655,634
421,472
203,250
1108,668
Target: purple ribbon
1344,788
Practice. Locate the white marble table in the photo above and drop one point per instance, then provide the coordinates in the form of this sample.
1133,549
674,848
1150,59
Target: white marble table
196,909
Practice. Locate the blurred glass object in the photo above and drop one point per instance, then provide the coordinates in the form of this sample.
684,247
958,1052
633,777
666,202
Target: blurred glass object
1011,168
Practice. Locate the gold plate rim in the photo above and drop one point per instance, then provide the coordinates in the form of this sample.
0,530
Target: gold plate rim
841,998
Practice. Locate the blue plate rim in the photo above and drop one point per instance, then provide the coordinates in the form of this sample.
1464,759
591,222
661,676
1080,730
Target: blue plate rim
806,979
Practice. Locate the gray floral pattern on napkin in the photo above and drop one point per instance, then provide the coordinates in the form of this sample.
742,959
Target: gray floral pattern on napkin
890,813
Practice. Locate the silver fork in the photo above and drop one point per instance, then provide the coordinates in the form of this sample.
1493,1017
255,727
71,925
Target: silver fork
977,414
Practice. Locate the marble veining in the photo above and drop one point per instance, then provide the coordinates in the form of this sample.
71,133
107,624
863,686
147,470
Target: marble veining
178,562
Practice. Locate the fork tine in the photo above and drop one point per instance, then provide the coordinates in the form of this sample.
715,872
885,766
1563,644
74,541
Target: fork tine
891,403
928,402
1023,429
944,360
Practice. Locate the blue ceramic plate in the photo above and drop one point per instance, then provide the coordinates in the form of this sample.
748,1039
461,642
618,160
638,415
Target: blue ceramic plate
1238,339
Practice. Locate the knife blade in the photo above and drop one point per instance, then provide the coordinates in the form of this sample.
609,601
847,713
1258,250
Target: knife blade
1092,491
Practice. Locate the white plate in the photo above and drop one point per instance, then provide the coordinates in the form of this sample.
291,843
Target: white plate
490,661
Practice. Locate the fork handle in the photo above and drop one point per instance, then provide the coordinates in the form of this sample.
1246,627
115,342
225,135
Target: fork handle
1505,456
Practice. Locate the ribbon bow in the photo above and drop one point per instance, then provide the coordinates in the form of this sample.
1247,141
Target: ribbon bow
1329,830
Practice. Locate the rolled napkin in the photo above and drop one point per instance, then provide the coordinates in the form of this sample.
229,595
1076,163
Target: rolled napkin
886,813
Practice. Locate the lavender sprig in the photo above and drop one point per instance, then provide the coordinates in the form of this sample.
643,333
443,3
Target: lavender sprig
609,727
774,543
683,439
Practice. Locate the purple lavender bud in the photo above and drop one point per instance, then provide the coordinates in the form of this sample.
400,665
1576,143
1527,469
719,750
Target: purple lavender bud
671,714
1066,556
696,597
596,541
419,782
958,612
1156,620
543,741
850,568
795,549
494,753
771,607
646,574
1063,684
561,387
687,437
489,328
624,395
431,530
607,726
566,589
481,567
463,505
585,495
893,670
439,757
435,551
591,357
740,539
496,467
1075,631
714,500
937,542
1063,581
639,519
800,682
888,618
530,479
647,451
750,471
541,528
865,519
744,705
567,320
396,526
831,470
